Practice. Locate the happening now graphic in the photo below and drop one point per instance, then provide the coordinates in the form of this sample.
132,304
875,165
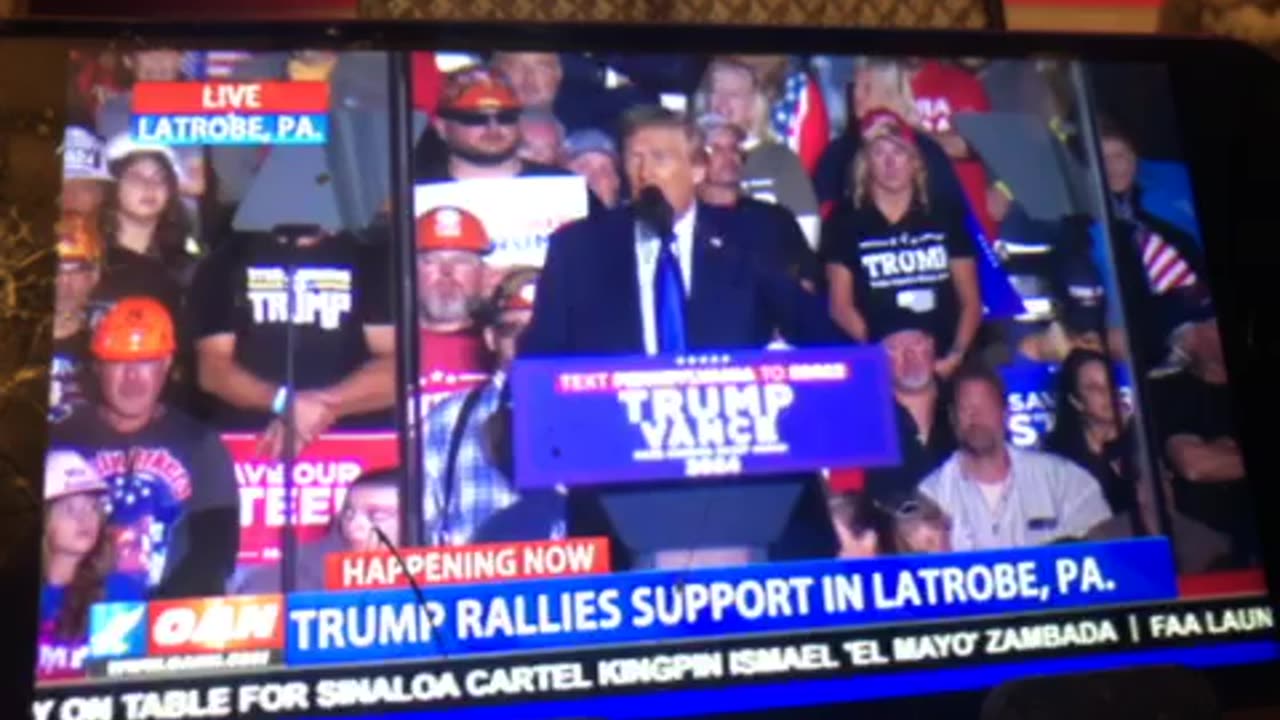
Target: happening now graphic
674,417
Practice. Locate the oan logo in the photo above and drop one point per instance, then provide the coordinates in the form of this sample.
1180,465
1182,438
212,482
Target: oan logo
117,630
208,625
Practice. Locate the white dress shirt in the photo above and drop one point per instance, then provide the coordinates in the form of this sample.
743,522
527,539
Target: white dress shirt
1045,498
647,247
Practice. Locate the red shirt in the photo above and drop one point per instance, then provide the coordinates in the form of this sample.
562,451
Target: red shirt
942,89
451,361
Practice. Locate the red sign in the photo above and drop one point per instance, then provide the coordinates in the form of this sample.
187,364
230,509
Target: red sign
321,476
196,98
467,563
218,624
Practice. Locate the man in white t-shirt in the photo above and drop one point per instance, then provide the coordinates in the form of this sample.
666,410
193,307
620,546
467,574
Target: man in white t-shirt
1000,496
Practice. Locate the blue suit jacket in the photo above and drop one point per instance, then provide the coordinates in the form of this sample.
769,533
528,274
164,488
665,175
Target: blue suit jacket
588,303
588,299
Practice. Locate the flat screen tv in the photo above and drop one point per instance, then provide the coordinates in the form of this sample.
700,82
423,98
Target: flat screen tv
616,373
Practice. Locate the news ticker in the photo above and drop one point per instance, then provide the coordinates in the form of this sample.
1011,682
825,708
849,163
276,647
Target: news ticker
858,655
332,627
229,113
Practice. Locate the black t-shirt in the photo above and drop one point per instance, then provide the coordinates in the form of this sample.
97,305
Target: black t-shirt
126,273
1186,405
431,165
890,486
342,288
1119,489
901,271
69,375
171,483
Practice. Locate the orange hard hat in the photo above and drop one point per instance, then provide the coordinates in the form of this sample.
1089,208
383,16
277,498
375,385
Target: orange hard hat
135,328
452,228
78,239
477,89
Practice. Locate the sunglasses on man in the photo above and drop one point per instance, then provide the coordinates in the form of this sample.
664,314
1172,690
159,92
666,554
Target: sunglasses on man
481,119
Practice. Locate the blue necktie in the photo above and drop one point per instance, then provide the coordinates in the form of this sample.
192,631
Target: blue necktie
668,299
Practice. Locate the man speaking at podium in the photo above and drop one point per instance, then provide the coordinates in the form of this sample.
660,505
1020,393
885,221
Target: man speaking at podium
668,275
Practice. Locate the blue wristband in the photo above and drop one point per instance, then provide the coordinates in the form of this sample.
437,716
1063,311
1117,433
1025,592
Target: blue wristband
281,399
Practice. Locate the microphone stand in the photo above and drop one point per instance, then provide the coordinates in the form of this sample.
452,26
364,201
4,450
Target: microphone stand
290,233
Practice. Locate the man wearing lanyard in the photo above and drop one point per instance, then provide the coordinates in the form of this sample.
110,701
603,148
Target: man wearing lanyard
466,438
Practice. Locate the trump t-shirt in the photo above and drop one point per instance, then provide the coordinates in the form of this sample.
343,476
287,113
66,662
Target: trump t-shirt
901,270
340,288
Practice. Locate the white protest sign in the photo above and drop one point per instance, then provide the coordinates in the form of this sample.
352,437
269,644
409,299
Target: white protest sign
518,213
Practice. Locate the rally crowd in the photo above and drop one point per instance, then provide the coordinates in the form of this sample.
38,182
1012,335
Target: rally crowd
801,201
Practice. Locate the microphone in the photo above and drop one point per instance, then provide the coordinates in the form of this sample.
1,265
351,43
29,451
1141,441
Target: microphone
654,212
418,595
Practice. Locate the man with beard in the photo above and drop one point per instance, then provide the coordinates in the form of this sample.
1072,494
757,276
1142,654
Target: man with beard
1001,496
466,443
478,125
451,351
925,436
174,504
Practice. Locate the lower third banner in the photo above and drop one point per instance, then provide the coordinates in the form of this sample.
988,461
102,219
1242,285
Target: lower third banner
358,626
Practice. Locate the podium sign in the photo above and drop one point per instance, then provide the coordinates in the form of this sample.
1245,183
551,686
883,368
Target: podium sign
581,421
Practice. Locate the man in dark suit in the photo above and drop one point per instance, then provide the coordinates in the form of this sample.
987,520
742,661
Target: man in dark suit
596,293
669,275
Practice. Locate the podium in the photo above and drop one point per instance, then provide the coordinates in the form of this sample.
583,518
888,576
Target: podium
765,518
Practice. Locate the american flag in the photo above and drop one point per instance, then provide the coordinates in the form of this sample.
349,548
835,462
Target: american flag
1165,266
800,118
212,64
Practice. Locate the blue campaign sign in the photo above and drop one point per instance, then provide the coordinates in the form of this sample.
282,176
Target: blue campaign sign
231,129
615,419
337,627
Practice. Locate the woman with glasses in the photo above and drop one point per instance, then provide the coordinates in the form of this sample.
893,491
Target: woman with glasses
78,563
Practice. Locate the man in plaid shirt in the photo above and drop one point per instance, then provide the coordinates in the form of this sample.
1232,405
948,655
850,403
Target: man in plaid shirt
467,443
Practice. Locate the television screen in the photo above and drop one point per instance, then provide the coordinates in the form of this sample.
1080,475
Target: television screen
600,384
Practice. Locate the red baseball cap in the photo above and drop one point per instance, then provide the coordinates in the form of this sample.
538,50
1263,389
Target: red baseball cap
886,123
477,89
